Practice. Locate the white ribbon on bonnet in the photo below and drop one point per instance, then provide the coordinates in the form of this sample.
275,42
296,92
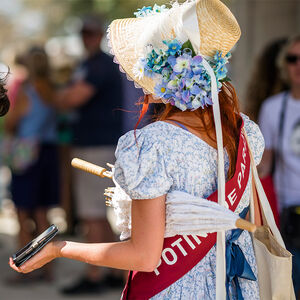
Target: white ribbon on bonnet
191,28
185,24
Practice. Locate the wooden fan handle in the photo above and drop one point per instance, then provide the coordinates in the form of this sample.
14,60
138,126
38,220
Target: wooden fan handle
90,168
243,224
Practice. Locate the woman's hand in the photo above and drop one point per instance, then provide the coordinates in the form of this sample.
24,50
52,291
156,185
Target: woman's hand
47,254
141,252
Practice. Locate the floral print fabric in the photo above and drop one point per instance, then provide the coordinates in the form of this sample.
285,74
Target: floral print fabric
165,158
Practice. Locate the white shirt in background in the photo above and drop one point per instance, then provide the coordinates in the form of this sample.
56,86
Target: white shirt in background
287,171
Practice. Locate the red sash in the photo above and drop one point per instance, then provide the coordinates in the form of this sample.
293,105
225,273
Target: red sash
181,252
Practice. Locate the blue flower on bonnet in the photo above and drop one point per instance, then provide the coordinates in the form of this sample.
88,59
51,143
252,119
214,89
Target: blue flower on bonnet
148,10
180,76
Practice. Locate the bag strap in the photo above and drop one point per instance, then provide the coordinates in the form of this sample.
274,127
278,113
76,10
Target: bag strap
256,215
278,151
282,117
266,211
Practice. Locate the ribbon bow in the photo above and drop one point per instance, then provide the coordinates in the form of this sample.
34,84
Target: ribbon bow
236,263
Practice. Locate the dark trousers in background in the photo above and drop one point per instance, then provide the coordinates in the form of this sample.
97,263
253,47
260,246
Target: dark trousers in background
290,230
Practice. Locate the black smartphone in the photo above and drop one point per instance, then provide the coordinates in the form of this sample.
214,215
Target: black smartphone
34,246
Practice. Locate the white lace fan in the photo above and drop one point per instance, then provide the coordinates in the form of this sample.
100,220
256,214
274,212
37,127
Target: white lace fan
209,216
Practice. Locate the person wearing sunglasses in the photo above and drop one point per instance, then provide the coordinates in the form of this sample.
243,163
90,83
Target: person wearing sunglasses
94,94
279,121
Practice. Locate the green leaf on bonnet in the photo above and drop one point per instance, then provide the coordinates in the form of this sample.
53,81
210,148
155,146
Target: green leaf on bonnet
188,45
225,79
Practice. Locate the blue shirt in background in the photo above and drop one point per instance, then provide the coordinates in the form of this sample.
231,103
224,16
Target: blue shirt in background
98,121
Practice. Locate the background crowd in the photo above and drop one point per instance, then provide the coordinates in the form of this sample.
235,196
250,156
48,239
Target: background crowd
68,99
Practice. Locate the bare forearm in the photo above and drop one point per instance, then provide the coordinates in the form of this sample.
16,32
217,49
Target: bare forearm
119,255
265,166
63,100
75,95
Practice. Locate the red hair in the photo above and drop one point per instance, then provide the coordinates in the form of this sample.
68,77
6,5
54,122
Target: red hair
230,117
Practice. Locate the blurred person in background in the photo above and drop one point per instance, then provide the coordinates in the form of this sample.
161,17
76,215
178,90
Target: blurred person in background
4,101
95,95
35,188
131,109
265,82
17,77
279,121
5,104
61,77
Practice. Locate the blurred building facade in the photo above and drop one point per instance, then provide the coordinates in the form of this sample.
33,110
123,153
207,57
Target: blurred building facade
261,22
55,22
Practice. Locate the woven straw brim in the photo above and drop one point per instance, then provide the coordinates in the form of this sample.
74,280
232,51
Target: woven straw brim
218,28
124,34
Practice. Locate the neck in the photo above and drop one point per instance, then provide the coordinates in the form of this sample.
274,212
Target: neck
92,52
295,91
188,117
195,126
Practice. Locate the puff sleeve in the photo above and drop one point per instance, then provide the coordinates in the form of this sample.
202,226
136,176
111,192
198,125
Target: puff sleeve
140,167
255,137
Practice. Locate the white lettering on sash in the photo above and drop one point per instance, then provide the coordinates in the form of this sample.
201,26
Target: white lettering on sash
195,237
243,167
241,174
202,235
156,270
165,258
177,243
239,179
189,242
244,153
232,196
173,259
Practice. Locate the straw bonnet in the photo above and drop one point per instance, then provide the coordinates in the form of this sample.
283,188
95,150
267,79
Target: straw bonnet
208,24
212,31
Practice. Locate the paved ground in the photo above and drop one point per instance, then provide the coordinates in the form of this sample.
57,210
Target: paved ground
66,271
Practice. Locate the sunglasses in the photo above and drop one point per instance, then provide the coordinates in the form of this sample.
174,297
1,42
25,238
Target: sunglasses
292,58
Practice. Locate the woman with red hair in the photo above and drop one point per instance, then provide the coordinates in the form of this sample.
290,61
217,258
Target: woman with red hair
164,170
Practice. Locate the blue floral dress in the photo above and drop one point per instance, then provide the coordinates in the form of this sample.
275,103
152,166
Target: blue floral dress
165,158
